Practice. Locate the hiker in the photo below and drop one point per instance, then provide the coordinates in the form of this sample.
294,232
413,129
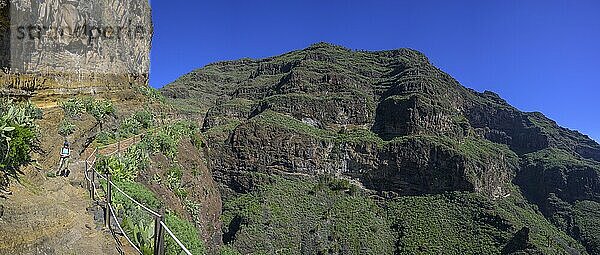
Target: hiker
65,154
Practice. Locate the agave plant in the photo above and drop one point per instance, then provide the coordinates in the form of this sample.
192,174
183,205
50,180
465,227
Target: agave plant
4,130
142,235
17,114
117,167
14,114
18,133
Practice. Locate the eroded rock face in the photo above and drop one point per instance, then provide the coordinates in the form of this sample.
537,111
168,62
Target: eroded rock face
58,48
553,172
413,165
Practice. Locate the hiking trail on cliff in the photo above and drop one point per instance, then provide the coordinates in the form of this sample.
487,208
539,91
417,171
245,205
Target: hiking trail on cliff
52,216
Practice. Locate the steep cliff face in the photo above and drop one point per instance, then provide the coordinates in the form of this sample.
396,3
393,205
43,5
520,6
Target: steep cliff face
390,122
59,48
410,165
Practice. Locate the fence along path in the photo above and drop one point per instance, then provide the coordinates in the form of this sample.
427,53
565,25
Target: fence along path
92,179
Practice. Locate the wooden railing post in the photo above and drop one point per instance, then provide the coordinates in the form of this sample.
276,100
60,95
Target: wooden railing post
108,200
93,184
85,174
159,235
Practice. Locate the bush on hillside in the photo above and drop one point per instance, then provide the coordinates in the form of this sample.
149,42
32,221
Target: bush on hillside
18,137
66,128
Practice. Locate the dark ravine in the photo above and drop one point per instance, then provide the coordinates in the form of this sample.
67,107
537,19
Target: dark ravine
398,127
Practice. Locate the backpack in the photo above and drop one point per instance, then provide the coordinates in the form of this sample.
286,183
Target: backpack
65,152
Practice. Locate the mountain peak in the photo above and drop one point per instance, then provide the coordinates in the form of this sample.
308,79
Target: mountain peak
391,122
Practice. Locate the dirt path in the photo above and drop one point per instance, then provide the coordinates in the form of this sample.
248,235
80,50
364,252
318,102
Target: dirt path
52,216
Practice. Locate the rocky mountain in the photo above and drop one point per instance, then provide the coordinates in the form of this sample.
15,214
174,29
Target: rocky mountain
330,150
59,48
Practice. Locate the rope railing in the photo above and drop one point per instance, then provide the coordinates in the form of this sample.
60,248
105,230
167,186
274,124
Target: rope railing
134,201
175,238
114,215
112,231
159,225
121,141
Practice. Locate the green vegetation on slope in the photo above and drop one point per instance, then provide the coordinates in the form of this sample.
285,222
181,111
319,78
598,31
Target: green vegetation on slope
587,218
302,216
124,170
133,125
299,217
18,137
140,225
554,157
457,223
74,108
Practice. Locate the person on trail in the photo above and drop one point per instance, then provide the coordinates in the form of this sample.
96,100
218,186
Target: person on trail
65,154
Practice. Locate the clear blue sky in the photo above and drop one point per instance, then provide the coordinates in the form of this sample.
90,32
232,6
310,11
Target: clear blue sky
539,55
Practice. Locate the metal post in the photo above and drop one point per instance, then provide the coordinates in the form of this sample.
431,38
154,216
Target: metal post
159,235
108,201
119,148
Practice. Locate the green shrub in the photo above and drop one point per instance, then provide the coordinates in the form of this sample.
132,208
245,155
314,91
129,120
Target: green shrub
129,127
66,128
197,141
117,168
135,124
173,177
186,232
166,139
33,111
329,182
73,107
137,158
18,137
162,142
145,118
193,209
99,109
17,146
126,166
153,94
138,192
228,250
105,138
